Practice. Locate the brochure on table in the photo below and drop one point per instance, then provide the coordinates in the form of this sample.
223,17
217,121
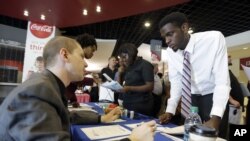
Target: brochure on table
102,132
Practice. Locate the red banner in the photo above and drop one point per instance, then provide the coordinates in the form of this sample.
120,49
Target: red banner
245,62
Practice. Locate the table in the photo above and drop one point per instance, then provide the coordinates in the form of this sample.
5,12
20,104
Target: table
78,135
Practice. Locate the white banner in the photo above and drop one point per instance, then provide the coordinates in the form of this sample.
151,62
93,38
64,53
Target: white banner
37,36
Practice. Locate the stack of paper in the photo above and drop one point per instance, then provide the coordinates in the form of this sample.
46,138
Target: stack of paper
113,85
247,71
102,132
82,107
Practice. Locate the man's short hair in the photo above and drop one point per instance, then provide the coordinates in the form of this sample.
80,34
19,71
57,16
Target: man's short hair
175,18
39,58
86,40
53,46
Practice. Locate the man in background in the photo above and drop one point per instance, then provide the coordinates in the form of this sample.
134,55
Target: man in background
89,46
236,96
248,105
110,70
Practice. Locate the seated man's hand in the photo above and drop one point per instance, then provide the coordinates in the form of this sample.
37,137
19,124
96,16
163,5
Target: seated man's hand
165,118
144,132
112,115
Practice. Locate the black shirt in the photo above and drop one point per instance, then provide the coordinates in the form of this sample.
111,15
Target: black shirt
62,89
109,72
136,75
236,91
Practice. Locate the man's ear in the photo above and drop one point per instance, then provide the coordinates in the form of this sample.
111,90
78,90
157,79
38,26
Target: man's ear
185,27
64,53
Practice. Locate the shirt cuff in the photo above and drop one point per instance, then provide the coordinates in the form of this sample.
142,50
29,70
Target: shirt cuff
171,109
217,111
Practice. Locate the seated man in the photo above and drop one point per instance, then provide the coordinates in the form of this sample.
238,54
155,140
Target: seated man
37,109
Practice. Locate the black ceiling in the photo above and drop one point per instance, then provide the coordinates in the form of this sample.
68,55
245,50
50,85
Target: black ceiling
228,16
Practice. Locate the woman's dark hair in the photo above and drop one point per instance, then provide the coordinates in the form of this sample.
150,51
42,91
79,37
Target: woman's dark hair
129,49
86,40
175,18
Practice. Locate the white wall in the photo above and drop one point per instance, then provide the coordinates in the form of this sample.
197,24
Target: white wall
238,39
12,33
100,58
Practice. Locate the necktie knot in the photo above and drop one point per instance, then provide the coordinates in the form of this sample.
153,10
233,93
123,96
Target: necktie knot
186,55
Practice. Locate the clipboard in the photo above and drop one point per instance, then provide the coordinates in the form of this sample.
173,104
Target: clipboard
107,77
111,84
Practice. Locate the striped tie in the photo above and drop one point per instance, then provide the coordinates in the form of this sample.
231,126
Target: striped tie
186,86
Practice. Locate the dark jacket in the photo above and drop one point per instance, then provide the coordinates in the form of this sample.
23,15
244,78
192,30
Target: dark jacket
236,91
35,111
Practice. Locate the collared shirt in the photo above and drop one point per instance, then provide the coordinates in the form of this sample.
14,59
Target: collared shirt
209,70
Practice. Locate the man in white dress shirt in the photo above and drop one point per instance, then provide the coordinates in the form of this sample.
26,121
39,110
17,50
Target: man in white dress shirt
210,83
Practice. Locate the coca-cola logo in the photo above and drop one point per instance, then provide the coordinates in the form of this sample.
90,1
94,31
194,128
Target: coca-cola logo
40,30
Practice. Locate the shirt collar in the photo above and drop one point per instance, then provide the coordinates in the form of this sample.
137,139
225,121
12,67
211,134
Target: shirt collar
190,46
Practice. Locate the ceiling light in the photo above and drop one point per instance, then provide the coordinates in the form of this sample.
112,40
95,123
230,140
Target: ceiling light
42,17
147,24
98,9
26,13
85,12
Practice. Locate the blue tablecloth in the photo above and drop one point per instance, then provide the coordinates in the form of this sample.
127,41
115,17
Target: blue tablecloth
78,135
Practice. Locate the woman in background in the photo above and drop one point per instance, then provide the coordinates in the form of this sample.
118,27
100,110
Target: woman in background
138,81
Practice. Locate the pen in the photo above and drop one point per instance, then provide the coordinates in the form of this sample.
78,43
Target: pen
139,124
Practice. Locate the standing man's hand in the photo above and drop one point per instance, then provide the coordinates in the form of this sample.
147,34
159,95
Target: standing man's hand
214,122
165,118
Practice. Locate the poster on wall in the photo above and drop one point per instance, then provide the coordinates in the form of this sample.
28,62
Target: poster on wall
155,48
247,71
245,62
37,36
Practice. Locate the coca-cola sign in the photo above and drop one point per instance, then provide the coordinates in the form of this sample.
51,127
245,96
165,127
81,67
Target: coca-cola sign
41,30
